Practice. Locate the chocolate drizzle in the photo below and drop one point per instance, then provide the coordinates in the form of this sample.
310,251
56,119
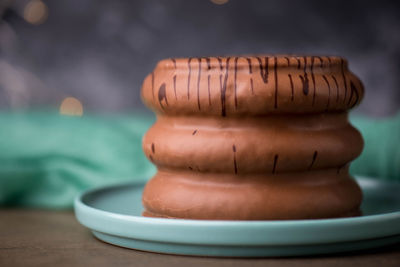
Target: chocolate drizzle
291,87
321,61
337,88
344,81
208,63
174,78
235,82
304,78
288,61
301,83
208,87
153,151
298,62
220,83
220,63
223,88
275,163
162,95
263,68
353,90
198,85
234,159
249,62
258,117
313,79
190,73
329,91
250,72
276,81
313,160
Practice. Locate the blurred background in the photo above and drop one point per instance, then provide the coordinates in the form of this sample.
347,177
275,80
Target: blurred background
100,51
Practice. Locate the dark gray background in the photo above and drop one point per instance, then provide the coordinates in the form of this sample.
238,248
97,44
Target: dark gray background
100,51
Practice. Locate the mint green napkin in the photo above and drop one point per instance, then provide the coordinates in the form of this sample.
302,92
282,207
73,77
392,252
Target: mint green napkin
381,155
46,159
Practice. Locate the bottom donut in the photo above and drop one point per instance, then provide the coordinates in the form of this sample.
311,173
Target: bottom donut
289,196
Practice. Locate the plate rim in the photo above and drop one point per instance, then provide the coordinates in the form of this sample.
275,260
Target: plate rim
280,232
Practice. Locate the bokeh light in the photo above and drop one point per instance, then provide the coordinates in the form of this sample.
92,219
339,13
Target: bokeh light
36,12
219,2
71,106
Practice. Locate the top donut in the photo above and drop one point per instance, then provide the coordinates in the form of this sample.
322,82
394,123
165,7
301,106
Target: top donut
251,85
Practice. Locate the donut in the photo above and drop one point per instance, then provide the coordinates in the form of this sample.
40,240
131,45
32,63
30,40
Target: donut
263,137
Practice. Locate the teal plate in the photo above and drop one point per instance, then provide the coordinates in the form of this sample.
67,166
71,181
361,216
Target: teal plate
114,215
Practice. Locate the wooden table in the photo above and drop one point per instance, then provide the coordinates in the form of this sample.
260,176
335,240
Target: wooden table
51,238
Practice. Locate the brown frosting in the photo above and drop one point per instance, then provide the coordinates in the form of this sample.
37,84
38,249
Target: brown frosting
252,138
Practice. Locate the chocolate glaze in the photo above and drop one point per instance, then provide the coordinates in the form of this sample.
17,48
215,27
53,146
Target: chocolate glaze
229,89
268,149
195,195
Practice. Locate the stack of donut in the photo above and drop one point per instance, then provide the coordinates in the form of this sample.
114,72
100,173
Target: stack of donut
252,138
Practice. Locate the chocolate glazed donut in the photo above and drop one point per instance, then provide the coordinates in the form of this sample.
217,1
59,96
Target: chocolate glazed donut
252,138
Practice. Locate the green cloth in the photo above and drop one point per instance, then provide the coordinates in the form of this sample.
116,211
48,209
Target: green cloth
46,159
381,155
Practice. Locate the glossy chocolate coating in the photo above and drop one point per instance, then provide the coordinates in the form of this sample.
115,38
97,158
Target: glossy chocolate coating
252,138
